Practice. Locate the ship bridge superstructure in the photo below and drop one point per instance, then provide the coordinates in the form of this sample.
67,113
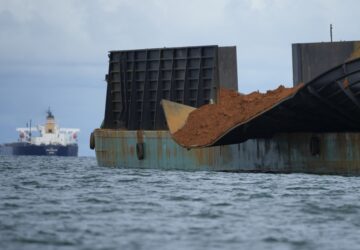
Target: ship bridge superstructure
49,133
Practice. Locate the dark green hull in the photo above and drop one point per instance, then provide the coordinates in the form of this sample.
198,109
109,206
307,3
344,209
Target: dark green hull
327,153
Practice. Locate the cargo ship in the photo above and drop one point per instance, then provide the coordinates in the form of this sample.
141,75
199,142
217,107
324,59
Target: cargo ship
51,140
151,92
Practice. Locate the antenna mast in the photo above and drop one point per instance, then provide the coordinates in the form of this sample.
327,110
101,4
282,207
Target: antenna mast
331,35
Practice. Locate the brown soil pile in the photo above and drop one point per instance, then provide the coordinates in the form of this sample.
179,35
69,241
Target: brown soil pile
207,123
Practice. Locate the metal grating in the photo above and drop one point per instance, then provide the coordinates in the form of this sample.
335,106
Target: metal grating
139,79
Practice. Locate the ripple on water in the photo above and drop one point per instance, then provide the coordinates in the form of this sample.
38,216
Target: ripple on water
261,195
49,242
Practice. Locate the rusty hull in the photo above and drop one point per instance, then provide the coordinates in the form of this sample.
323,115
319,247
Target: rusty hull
326,153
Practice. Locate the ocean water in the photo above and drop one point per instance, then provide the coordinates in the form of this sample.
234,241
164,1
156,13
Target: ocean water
71,203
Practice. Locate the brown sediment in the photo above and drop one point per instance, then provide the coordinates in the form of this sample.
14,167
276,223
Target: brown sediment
207,123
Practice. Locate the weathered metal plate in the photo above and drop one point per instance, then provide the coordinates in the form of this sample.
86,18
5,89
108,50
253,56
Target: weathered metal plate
312,59
325,153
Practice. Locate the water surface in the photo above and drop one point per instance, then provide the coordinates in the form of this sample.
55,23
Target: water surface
71,203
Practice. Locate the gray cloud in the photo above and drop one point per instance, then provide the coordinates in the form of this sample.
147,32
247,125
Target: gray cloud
55,52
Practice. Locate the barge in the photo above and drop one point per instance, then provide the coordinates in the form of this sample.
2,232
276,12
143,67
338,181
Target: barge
315,131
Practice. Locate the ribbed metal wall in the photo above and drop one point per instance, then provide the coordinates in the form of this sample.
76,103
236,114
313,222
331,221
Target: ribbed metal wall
139,79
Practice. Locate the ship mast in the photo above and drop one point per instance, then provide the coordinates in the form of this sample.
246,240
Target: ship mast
30,132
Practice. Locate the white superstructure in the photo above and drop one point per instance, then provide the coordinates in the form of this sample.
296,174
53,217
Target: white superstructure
48,134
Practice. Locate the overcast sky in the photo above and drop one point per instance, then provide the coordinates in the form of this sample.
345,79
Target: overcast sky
54,53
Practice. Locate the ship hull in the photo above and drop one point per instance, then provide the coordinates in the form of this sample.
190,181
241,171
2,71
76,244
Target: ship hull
324,153
46,150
